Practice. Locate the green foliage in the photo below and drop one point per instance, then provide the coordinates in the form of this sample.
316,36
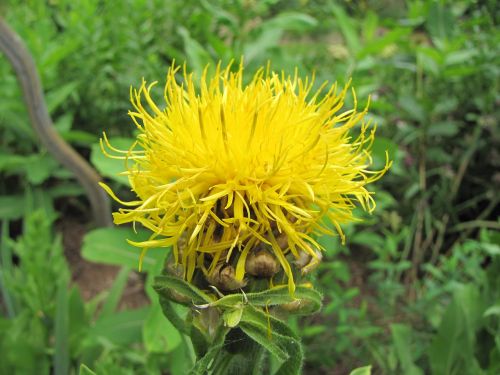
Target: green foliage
415,290
362,371
110,246
241,312
49,326
35,293
84,370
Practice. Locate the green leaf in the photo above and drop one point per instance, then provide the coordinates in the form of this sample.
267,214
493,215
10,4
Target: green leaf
378,45
64,123
180,360
440,21
429,59
259,334
109,246
108,167
369,239
6,269
12,207
78,320
366,370
201,366
79,137
347,27
270,32
84,370
197,56
275,336
401,336
491,248
115,293
122,328
267,39
464,56
57,96
220,14
453,344
291,21
413,108
39,167
158,333
443,129
370,26
12,163
173,316
493,310
61,355
55,52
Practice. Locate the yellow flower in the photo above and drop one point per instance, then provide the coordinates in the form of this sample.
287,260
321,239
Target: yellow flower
231,168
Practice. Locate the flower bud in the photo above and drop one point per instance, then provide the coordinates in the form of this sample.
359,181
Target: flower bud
261,263
223,278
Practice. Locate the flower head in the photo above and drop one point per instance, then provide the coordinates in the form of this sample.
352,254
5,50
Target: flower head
225,170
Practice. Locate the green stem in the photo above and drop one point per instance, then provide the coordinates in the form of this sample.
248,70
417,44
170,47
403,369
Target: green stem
246,362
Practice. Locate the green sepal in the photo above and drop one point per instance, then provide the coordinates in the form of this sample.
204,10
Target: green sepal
307,299
311,299
165,285
239,310
232,317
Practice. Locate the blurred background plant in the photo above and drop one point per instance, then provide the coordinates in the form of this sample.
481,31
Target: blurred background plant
416,289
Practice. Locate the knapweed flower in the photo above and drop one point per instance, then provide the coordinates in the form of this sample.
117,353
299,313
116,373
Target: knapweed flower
226,171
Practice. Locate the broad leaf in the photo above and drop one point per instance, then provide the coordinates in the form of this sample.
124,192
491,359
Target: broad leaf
110,246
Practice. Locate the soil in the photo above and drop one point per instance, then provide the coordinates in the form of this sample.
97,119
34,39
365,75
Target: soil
94,278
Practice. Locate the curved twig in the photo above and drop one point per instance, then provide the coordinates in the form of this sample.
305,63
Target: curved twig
24,66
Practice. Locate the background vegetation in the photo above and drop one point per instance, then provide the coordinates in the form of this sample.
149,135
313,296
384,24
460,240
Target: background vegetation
416,290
